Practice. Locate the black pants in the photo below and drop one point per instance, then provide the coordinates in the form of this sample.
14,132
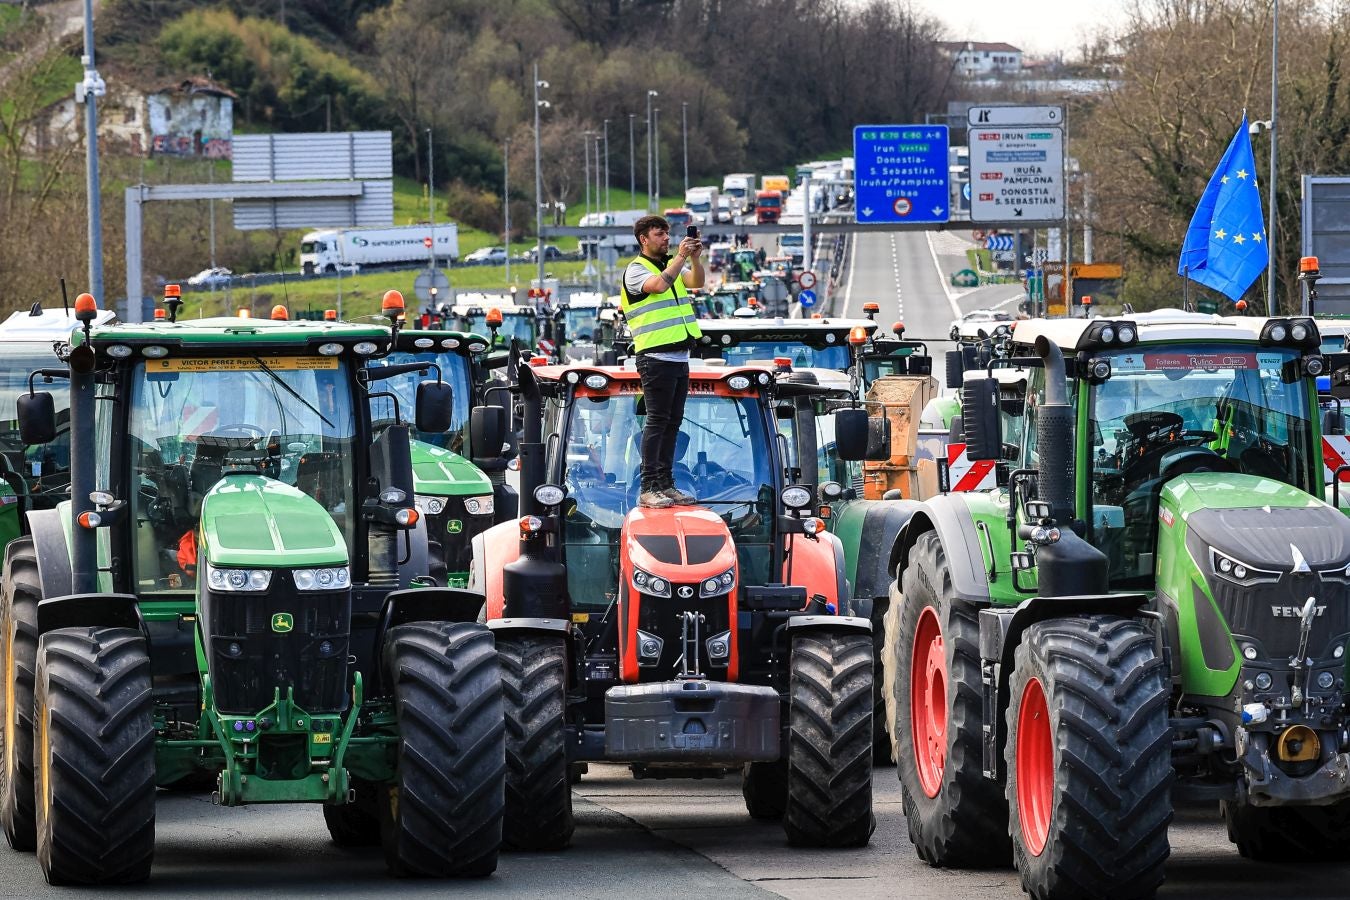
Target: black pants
665,385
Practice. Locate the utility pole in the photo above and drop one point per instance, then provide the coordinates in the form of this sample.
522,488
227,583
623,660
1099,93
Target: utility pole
431,207
650,95
606,132
506,204
656,153
684,128
87,92
538,180
632,161
1271,303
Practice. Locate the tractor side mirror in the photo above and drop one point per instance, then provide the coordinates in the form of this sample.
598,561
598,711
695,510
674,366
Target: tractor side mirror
878,438
955,368
435,407
37,418
487,432
851,434
980,419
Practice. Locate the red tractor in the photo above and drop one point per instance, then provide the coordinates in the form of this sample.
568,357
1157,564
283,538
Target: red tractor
683,641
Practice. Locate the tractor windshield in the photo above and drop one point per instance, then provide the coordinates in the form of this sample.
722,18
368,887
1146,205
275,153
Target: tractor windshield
581,323
1173,411
818,355
513,326
191,420
454,372
45,468
723,456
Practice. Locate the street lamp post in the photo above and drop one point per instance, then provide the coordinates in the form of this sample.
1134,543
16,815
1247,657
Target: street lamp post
650,95
87,92
506,204
656,153
1271,303
606,133
538,178
431,215
684,130
632,161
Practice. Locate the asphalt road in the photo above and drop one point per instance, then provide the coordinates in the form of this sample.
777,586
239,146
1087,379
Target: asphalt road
908,274
638,839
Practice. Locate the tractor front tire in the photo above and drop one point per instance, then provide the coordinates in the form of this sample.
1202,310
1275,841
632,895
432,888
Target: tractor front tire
829,751
442,817
957,818
882,754
355,824
1089,758
1290,834
18,630
94,751
764,787
538,793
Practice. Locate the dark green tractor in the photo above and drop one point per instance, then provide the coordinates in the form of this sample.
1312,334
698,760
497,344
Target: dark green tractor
233,594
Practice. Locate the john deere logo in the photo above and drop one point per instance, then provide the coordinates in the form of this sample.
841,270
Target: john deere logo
283,622
454,526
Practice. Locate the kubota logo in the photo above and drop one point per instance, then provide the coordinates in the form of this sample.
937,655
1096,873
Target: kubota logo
685,592
283,622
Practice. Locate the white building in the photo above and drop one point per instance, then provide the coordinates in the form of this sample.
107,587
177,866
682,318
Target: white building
976,58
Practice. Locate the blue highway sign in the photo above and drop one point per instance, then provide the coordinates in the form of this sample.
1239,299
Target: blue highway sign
900,173
807,299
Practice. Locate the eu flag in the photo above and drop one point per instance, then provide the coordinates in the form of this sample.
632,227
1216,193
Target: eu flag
1225,246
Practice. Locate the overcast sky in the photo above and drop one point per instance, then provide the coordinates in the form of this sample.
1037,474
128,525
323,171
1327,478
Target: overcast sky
1041,27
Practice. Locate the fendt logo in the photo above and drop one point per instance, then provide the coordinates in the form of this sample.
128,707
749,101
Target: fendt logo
685,592
1292,612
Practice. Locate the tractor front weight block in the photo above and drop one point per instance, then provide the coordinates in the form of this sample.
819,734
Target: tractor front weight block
692,721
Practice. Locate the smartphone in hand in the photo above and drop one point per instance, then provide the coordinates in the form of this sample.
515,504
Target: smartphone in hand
691,231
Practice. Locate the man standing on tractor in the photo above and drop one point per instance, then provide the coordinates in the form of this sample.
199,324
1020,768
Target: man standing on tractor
664,327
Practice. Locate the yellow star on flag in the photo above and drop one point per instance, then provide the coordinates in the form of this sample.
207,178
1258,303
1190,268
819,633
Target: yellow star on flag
1242,173
1256,236
1220,234
1239,239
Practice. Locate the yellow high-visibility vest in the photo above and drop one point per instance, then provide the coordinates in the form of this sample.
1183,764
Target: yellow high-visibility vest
660,320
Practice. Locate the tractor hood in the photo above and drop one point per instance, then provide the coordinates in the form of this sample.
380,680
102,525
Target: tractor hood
442,473
250,520
1259,521
682,544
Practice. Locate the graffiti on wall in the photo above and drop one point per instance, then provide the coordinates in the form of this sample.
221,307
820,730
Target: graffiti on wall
217,148
182,145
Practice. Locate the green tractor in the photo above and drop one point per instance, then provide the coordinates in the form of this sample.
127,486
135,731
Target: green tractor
460,493
1152,607
233,592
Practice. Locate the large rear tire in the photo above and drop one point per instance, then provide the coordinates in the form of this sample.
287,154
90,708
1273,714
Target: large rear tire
1089,758
95,755
764,785
829,751
881,735
1290,834
443,815
956,816
538,795
18,630
356,824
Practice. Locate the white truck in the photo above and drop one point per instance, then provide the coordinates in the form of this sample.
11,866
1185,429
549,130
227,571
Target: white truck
322,252
702,202
620,243
740,187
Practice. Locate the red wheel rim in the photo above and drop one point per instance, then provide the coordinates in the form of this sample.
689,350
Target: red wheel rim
928,702
1035,767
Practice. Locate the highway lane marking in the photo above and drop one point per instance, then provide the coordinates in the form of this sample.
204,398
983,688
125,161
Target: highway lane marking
942,281
852,257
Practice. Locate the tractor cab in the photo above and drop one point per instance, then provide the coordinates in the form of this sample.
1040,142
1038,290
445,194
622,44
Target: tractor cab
499,318
807,343
675,630
458,488
233,555
576,327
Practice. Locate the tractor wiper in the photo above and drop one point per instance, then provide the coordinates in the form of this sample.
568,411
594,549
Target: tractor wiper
292,391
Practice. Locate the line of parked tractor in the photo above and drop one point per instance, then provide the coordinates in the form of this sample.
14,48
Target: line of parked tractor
396,567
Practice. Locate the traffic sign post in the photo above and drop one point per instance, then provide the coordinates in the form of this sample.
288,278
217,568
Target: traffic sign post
807,280
900,174
1017,164
426,280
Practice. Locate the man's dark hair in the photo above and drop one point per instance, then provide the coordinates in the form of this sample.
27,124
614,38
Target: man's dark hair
647,223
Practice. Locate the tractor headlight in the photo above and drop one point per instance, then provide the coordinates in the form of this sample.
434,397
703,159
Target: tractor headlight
719,585
479,506
334,578
796,497
719,648
652,585
1235,570
236,580
430,506
648,648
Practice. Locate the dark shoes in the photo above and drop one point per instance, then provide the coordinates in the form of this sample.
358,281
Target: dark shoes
655,500
679,497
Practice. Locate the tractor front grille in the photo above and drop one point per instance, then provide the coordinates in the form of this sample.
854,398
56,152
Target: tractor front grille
1268,611
451,532
280,638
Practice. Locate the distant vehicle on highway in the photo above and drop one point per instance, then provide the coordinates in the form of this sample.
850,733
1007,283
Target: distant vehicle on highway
216,277
679,219
740,188
702,202
322,252
487,255
768,206
550,252
723,214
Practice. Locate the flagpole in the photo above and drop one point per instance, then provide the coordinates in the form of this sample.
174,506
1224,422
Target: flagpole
1186,290
1274,133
